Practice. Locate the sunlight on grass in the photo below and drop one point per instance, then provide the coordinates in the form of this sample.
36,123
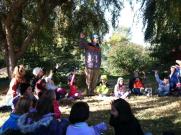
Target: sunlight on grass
156,114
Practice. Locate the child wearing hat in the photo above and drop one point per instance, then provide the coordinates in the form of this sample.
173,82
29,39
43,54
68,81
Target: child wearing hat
38,74
103,89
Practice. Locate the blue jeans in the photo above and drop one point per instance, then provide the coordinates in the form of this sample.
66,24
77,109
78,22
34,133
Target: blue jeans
163,93
136,91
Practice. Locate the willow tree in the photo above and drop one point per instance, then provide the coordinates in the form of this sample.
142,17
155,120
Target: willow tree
23,20
162,21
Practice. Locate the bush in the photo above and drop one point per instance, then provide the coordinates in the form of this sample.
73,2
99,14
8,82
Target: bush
126,58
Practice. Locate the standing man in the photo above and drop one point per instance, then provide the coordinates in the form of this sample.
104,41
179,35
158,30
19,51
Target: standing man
92,61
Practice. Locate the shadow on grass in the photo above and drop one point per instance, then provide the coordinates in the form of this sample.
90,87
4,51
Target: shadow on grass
156,126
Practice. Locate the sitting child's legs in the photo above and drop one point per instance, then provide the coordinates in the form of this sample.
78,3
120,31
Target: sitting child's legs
136,91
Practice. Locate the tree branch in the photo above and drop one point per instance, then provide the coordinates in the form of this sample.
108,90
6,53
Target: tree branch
43,20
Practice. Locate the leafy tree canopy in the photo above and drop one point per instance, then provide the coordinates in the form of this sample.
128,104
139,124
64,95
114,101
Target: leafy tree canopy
28,22
123,56
162,22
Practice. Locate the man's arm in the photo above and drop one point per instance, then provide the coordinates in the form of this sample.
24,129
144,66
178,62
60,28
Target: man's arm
83,43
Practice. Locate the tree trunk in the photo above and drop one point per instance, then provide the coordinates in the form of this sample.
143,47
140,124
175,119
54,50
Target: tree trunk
10,63
7,23
9,51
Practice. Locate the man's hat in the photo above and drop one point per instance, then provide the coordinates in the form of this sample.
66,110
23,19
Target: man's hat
93,36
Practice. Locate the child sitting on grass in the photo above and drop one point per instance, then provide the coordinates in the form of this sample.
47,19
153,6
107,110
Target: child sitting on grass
78,116
25,90
122,119
103,89
40,88
73,93
50,85
51,95
23,106
38,74
138,86
120,89
164,85
42,122
17,79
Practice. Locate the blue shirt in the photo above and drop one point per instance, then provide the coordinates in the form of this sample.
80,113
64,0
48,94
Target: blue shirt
11,123
162,87
81,128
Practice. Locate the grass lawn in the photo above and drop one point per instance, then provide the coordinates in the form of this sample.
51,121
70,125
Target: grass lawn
156,114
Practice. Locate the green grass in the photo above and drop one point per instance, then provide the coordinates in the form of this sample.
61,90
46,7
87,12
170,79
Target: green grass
156,114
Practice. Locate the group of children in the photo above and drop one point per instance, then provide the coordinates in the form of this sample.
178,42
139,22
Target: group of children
44,119
36,110
40,83
171,84
120,90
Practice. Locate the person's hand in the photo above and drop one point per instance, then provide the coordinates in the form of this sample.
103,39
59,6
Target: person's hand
57,66
82,35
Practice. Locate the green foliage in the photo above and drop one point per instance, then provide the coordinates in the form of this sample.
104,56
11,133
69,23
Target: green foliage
120,56
162,28
55,26
128,58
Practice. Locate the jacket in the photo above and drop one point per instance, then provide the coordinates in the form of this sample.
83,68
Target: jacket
11,123
47,125
92,54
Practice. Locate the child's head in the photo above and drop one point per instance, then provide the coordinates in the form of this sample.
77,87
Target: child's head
137,79
25,89
166,80
23,105
38,72
49,94
41,84
120,81
19,72
103,78
136,74
79,112
44,106
121,109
